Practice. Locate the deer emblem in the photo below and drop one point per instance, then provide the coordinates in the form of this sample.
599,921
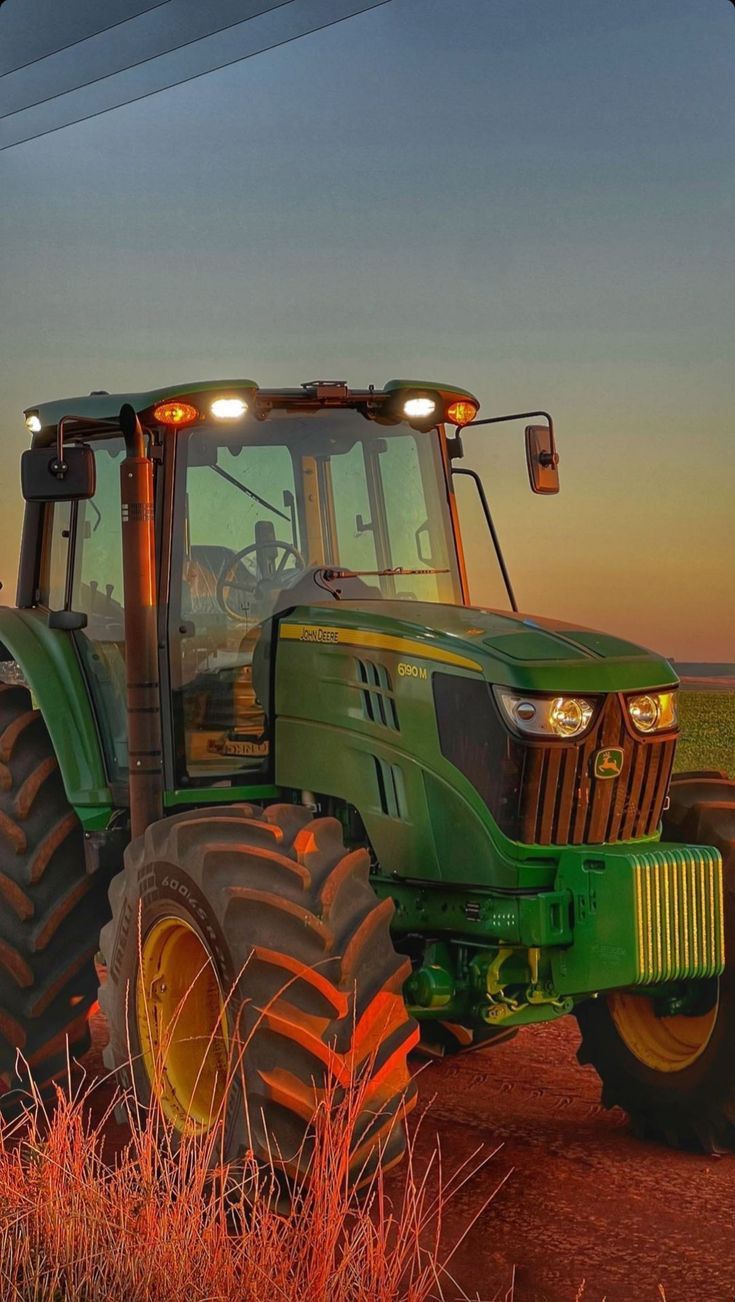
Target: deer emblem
609,763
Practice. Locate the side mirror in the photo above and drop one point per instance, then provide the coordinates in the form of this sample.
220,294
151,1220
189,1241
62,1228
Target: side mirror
44,478
542,459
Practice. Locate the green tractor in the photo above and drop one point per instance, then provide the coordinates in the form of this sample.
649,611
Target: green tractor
319,806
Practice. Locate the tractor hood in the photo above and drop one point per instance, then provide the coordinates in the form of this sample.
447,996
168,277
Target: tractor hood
523,651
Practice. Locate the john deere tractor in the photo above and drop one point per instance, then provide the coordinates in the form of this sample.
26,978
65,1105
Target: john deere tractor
320,806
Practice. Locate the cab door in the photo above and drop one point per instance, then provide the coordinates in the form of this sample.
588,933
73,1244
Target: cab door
97,593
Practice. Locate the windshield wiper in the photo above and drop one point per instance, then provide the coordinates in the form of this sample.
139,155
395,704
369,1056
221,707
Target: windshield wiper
325,577
388,573
250,493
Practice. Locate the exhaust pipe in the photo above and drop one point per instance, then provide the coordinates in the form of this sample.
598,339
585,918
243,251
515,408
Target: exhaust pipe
141,635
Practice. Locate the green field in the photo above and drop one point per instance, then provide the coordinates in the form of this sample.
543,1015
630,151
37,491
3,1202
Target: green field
707,731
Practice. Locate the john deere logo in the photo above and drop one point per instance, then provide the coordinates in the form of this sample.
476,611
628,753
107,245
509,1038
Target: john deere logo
609,763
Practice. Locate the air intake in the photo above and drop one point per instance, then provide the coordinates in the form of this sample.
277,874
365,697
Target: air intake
391,789
378,701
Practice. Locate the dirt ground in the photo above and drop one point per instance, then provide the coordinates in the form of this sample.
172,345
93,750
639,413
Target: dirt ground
582,1209
584,1201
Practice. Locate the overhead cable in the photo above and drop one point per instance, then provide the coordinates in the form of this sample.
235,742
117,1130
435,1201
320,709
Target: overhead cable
209,55
165,30
29,27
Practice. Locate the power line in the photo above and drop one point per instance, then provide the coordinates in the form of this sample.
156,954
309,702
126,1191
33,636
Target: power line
97,31
363,7
268,7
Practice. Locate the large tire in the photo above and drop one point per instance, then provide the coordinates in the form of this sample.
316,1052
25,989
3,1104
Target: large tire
51,910
692,1106
287,921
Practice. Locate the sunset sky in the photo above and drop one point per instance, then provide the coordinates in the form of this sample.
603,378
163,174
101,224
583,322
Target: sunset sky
534,199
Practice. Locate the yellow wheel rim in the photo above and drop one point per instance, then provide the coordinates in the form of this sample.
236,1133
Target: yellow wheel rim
661,1043
182,1025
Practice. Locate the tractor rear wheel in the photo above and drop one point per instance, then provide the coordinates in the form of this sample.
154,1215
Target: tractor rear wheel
675,1076
51,910
251,968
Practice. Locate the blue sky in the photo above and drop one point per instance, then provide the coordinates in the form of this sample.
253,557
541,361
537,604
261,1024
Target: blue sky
532,198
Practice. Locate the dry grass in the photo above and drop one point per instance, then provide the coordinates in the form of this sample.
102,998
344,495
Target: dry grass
161,1221
166,1218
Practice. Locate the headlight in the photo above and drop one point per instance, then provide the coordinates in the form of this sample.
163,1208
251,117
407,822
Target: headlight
546,716
654,712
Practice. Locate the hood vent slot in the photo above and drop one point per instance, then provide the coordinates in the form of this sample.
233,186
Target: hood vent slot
391,789
378,701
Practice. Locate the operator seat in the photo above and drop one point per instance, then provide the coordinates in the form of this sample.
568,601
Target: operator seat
199,592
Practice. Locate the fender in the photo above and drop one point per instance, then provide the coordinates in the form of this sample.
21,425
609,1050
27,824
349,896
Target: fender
53,674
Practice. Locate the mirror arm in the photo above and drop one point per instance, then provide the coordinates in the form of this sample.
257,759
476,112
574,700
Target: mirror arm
472,474
58,466
455,449
551,458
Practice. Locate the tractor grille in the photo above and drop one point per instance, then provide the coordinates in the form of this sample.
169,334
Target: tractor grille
545,793
561,803
679,913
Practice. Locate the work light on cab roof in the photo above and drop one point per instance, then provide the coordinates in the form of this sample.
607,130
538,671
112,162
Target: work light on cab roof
419,407
228,408
424,405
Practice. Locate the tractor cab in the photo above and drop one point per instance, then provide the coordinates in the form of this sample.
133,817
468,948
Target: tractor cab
264,500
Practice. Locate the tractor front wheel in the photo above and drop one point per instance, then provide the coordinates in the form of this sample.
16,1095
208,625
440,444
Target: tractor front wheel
251,975
675,1076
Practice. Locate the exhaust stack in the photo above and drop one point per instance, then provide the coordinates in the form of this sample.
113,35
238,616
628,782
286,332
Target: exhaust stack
141,637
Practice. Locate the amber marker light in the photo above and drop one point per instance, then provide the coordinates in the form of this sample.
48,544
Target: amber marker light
462,412
175,413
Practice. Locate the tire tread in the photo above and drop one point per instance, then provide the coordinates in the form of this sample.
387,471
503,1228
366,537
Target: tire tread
47,973
320,981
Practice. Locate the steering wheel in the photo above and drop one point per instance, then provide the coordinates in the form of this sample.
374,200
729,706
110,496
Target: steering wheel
250,585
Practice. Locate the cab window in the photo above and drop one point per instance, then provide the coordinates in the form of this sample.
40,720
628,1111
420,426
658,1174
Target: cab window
260,513
241,542
53,579
97,592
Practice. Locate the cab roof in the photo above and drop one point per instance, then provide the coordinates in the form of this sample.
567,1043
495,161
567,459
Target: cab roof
100,409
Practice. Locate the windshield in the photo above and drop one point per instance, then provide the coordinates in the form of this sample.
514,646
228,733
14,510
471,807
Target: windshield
294,510
329,489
